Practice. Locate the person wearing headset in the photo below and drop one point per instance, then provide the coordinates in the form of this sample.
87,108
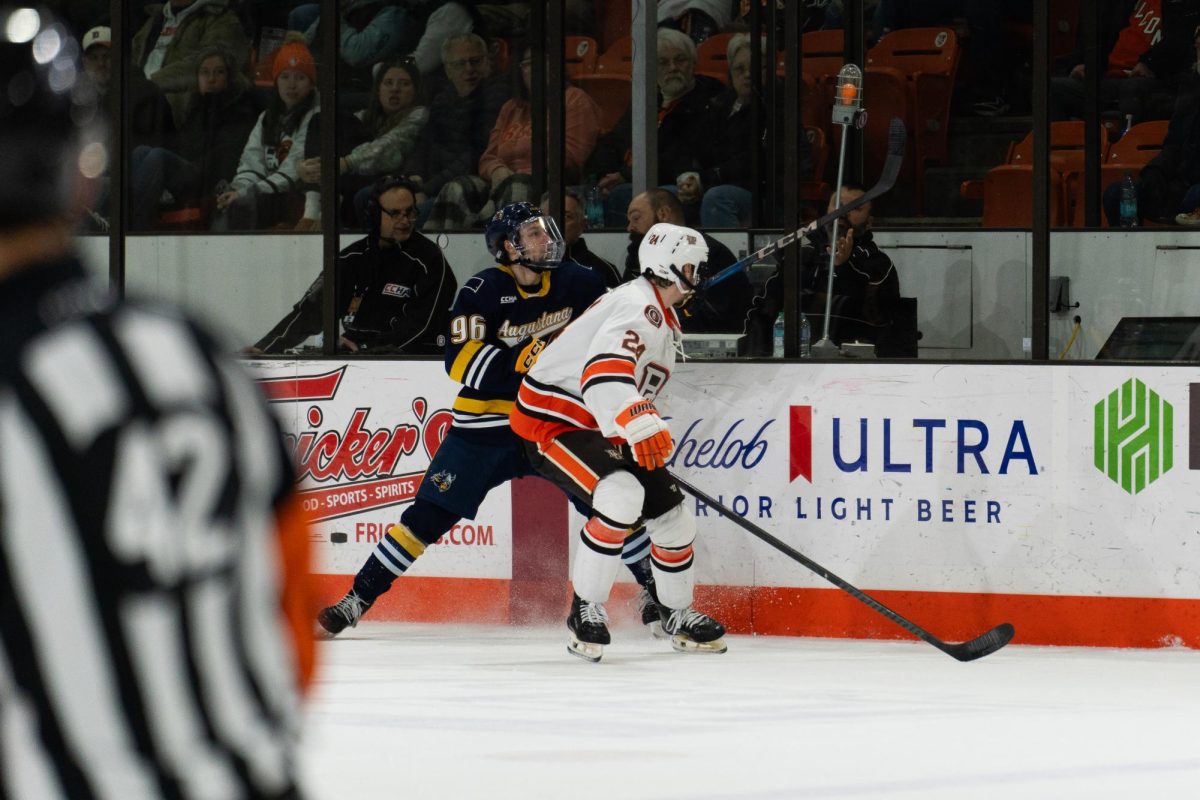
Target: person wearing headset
394,287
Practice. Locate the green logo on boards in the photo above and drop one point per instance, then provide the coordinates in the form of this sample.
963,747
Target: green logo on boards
1133,434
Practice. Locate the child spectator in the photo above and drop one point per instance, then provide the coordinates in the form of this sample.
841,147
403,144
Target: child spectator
265,190
218,118
505,167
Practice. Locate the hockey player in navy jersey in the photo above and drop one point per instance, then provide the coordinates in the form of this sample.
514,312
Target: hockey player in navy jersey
586,409
502,318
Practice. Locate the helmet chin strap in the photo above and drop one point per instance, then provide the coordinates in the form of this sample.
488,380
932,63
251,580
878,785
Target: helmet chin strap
683,279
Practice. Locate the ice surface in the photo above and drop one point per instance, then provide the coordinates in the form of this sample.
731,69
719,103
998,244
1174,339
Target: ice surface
437,711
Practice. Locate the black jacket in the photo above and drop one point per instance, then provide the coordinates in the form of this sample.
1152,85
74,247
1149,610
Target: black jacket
866,289
681,135
214,130
724,156
579,253
457,133
389,300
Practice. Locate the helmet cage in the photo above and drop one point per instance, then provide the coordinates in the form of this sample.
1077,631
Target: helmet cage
545,228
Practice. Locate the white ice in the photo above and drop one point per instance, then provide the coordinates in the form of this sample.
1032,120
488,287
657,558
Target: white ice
437,711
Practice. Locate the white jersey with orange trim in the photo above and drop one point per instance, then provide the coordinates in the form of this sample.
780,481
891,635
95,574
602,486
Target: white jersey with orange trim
620,350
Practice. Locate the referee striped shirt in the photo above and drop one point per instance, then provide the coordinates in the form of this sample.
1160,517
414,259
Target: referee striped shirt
141,649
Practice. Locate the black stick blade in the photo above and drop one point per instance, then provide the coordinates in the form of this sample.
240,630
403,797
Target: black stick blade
983,645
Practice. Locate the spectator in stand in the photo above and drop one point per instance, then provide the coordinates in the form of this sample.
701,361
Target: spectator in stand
394,287
866,286
1128,28
1169,186
390,125
505,167
151,120
377,30
574,224
722,311
1173,57
204,153
461,117
166,46
685,119
722,180
266,190
699,19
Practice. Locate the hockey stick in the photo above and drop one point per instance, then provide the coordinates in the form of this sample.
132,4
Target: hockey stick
887,179
982,645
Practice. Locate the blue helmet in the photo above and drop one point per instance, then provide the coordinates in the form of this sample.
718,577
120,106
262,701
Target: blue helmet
516,223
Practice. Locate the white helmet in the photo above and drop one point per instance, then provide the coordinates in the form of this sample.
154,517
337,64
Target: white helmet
665,250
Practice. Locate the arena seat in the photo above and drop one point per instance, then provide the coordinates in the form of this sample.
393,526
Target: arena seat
1066,160
1132,151
822,54
613,20
612,93
617,59
710,57
1008,197
582,52
928,59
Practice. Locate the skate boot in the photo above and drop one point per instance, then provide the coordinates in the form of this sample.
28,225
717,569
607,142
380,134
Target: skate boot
693,632
650,610
345,612
588,624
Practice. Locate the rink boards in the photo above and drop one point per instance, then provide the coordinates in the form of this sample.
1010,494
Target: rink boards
1061,498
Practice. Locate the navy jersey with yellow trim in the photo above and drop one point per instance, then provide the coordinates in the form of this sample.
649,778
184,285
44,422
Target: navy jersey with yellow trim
491,322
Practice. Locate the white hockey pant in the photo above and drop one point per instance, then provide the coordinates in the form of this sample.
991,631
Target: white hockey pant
617,501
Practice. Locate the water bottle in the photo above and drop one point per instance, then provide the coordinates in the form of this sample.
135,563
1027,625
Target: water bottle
594,207
1128,125
805,337
777,351
1129,209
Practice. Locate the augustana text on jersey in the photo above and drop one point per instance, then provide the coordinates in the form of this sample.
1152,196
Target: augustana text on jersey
548,322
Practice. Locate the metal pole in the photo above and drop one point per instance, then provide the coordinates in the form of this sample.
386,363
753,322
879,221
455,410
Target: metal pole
1039,317
826,347
327,81
556,101
537,97
118,159
645,95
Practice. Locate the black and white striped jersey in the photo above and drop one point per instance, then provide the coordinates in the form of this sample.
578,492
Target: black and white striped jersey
141,647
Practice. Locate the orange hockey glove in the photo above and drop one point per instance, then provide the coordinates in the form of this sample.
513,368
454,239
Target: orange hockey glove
647,434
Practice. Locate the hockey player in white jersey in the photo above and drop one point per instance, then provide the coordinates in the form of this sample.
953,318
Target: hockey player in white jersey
587,410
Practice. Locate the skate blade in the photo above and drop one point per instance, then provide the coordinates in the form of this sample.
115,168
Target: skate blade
686,644
656,630
321,633
585,650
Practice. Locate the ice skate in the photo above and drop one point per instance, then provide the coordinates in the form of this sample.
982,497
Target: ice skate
588,623
344,613
650,610
693,632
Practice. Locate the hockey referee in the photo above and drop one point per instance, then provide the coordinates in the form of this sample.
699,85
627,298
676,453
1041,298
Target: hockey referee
154,629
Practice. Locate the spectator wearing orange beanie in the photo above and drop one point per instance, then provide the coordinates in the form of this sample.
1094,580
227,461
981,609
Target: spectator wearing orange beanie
266,189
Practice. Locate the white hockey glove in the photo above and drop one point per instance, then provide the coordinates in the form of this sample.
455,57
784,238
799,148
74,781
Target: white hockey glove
647,434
